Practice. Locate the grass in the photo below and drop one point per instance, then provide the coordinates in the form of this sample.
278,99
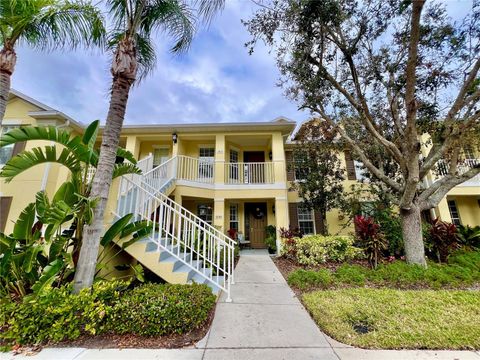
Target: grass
462,271
398,319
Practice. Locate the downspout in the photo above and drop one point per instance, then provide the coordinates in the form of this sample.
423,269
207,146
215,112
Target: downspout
43,186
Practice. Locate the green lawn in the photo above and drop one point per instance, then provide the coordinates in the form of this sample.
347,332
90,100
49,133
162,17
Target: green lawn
394,319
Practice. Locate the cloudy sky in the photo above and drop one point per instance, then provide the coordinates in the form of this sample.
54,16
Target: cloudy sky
216,81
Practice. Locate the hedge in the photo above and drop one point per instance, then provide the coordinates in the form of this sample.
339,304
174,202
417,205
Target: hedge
109,307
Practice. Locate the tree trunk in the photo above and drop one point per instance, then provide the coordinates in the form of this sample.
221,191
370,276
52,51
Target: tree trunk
412,235
124,68
8,59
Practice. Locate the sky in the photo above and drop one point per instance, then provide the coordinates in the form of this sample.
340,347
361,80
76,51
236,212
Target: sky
216,81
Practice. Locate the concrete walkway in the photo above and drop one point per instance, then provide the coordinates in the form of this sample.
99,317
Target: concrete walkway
265,321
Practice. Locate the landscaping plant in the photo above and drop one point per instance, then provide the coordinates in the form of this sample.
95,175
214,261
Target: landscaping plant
371,238
442,240
314,250
289,237
271,238
469,236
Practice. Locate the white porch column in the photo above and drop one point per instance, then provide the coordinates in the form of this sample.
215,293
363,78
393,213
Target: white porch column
218,214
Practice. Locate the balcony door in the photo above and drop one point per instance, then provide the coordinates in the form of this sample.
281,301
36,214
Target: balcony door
254,167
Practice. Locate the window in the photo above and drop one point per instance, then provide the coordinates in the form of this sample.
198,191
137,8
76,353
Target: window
301,170
468,152
360,170
306,223
234,216
233,167
452,207
6,152
160,155
205,212
205,163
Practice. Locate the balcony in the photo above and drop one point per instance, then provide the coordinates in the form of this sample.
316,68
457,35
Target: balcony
249,173
462,167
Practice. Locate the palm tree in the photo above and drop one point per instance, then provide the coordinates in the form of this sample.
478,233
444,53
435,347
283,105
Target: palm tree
46,25
135,22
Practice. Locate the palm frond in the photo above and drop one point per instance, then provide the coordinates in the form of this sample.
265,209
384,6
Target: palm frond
125,154
124,169
53,24
174,18
207,9
28,159
51,133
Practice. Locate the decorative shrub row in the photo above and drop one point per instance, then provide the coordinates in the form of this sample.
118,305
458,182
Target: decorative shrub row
110,307
316,249
463,269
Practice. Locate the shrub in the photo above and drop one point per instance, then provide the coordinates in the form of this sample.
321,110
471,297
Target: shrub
271,238
58,315
316,249
372,240
469,236
392,230
351,274
306,279
289,238
153,310
442,240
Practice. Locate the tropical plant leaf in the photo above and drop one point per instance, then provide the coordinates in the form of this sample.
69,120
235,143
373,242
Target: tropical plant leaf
124,169
66,193
115,230
56,247
135,227
125,154
28,159
31,257
23,227
48,276
90,135
6,243
42,204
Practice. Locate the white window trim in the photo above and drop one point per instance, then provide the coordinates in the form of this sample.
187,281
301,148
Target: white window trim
299,207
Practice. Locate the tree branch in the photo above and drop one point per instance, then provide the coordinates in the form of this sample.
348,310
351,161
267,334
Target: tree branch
368,164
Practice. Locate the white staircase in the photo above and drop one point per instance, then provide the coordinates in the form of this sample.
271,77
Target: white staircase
182,248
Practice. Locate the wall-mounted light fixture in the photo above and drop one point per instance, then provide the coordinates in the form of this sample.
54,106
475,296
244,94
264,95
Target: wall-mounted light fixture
270,155
174,138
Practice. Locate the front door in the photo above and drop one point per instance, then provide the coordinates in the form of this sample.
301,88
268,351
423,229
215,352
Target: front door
256,216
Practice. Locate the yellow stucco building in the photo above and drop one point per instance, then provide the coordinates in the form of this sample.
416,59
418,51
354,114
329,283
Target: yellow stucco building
232,176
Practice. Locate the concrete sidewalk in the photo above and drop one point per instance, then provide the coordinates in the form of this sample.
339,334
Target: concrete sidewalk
265,321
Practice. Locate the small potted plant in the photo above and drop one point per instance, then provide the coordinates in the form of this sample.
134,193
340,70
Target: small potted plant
271,239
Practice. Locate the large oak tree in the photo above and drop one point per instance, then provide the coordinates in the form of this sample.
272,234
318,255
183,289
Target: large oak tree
385,73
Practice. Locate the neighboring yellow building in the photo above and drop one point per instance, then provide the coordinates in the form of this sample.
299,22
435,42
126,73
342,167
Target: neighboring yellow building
230,175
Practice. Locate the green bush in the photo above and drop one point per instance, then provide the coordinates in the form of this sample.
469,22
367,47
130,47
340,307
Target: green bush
351,274
110,307
58,315
305,279
153,310
462,270
316,249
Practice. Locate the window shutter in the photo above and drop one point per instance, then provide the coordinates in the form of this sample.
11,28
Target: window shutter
5,202
293,214
18,148
318,222
290,169
350,166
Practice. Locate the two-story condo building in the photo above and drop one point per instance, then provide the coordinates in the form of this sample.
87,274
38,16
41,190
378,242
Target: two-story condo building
232,176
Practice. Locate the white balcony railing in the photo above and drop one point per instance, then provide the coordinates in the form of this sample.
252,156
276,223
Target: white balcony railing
250,173
463,166
194,169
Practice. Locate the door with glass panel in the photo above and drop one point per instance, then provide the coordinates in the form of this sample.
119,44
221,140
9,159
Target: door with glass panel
160,156
206,160
233,166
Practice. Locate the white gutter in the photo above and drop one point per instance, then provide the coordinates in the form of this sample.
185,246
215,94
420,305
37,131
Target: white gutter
49,165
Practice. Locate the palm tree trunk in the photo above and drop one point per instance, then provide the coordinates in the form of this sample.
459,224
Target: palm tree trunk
123,70
8,59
